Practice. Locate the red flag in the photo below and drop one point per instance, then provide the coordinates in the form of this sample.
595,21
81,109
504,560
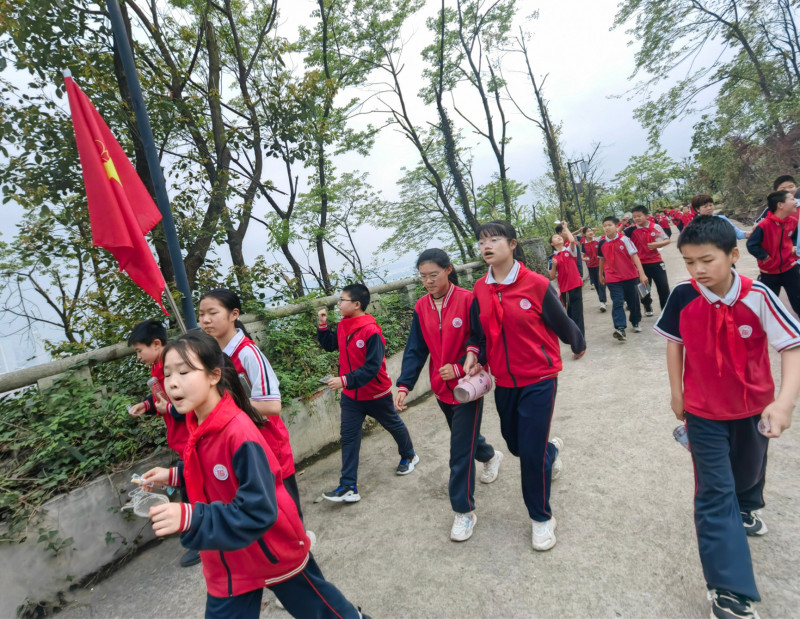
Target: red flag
121,210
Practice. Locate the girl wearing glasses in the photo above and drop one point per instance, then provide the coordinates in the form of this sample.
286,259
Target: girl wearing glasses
440,329
516,322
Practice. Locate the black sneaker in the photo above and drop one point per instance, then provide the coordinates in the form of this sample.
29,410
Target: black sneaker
620,334
407,465
727,605
343,494
753,525
190,557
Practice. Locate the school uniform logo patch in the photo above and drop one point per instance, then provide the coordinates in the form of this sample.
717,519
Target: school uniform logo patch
457,323
745,331
525,304
360,343
220,472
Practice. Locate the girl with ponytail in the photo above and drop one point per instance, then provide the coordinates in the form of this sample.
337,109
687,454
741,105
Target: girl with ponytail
219,313
239,514
516,322
440,329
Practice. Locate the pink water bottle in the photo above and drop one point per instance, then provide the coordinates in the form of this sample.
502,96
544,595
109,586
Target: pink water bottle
470,388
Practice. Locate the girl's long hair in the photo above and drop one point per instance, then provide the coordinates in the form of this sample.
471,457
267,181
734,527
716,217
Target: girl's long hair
502,228
212,358
230,301
440,258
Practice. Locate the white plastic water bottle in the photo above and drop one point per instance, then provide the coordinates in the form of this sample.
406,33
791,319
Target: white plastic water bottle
680,435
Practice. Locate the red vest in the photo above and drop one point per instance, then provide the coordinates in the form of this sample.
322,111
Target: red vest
446,339
618,265
353,354
235,572
526,351
274,430
778,244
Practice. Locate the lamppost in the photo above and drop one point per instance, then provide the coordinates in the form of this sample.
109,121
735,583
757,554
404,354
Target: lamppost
583,168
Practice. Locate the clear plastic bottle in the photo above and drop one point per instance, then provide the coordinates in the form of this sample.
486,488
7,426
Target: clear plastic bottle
157,389
680,435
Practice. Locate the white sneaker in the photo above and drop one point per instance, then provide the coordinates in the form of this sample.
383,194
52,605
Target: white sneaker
491,468
463,525
602,307
558,464
637,328
544,534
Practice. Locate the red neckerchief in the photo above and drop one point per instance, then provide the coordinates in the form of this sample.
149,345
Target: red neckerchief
217,419
496,318
725,328
349,325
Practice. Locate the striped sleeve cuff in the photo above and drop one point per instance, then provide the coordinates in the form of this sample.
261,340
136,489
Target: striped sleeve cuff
186,516
322,327
344,381
146,405
174,477
402,389
458,369
473,349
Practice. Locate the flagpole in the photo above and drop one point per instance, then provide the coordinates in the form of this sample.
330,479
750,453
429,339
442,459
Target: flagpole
175,311
157,176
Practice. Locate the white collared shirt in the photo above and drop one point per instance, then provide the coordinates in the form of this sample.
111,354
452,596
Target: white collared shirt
510,278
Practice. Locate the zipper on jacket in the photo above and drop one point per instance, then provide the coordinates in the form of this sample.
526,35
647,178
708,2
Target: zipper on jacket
267,552
349,364
228,570
546,356
505,343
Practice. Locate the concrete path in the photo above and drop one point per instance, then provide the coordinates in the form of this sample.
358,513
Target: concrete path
626,542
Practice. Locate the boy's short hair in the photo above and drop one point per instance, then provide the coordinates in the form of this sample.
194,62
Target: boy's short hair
639,208
611,218
781,180
148,332
358,292
700,199
707,229
775,198
559,229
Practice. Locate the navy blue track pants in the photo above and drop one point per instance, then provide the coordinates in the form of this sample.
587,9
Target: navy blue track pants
525,414
621,293
353,414
594,278
466,446
307,595
730,463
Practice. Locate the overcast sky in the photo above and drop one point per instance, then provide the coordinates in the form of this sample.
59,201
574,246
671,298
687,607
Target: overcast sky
587,66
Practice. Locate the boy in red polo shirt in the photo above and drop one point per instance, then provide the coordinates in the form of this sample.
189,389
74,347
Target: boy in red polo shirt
772,243
718,325
649,237
366,387
564,269
621,269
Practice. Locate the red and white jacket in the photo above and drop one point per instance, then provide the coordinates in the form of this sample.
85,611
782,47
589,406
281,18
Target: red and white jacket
516,326
255,372
240,516
443,338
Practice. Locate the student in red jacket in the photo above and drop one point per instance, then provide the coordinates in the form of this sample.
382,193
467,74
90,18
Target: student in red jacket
772,241
440,330
590,255
239,514
219,317
366,387
516,322
564,269
148,339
